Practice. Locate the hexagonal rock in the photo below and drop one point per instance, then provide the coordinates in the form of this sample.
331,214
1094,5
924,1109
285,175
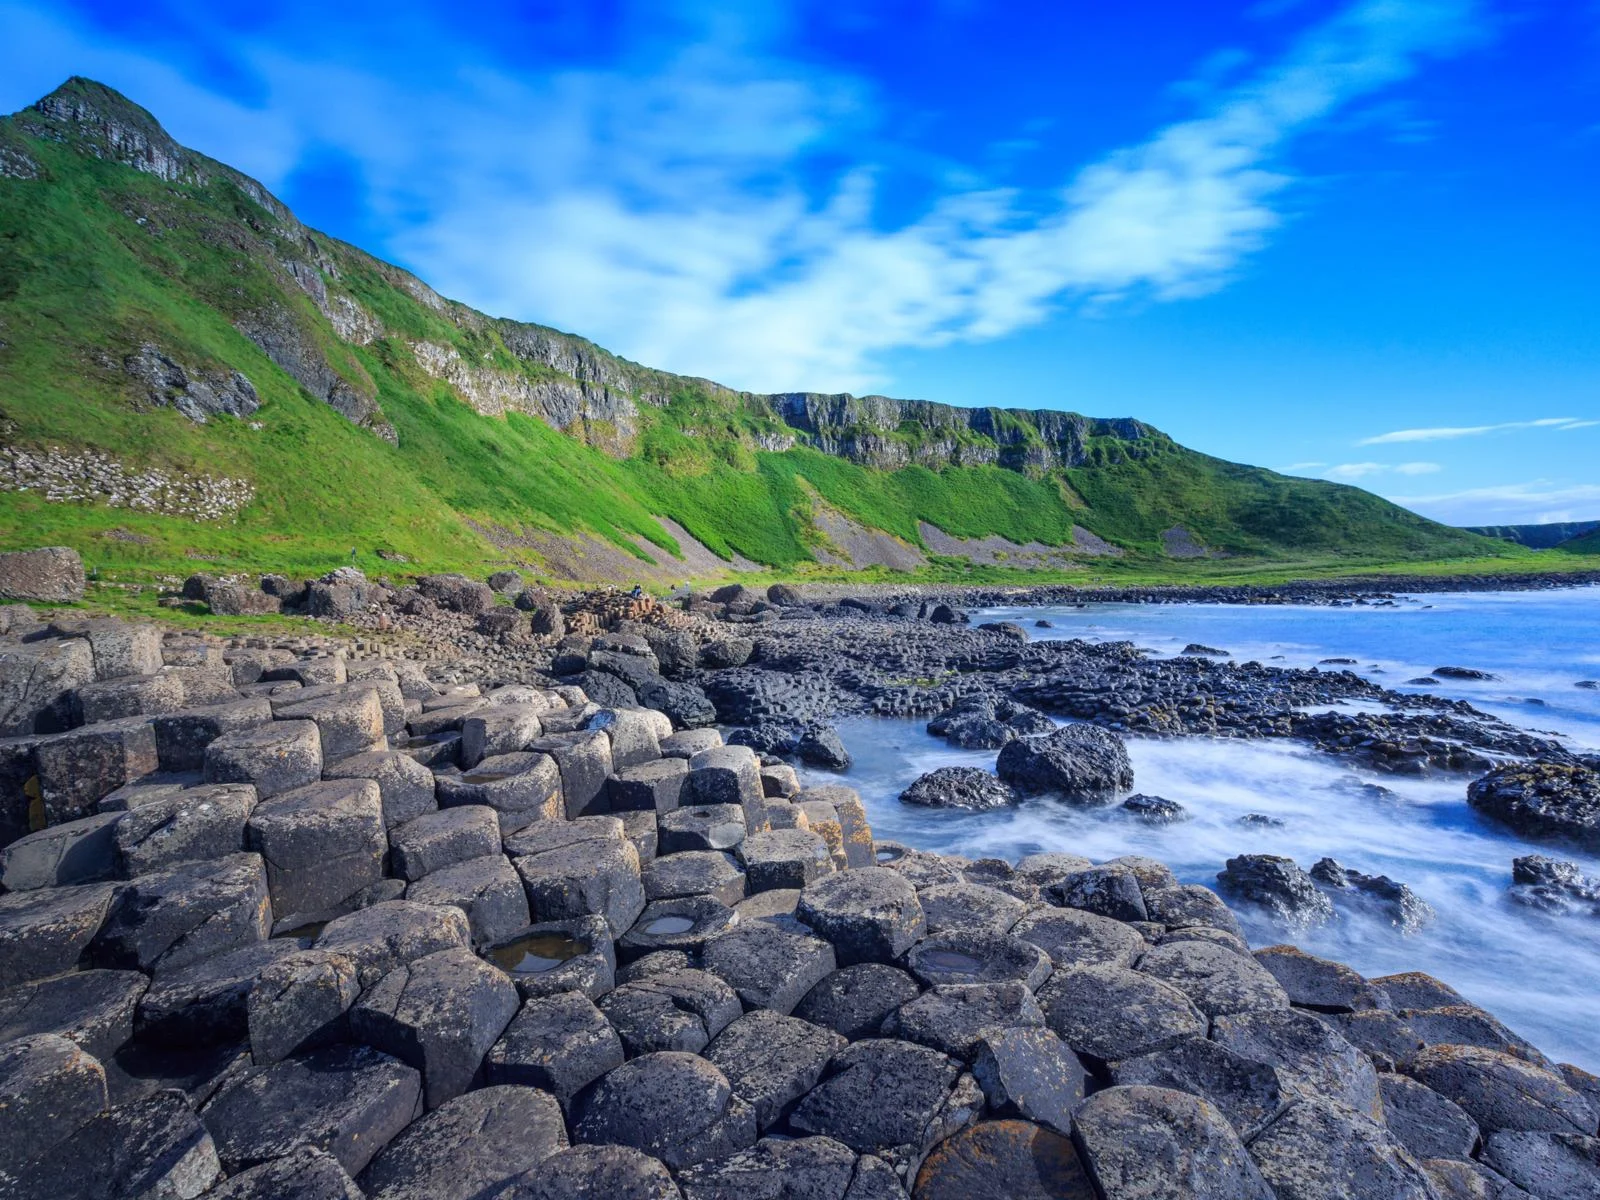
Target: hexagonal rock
1108,891
384,936
870,915
205,1001
442,839
130,696
1382,1036
694,873
468,1146
1082,763
1425,1122
854,1001
1547,1164
1454,1180
298,1003
775,907
632,733
43,932
686,743
1145,1142
784,859
767,966
1218,980
578,868
969,908
583,759
1320,1150
182,737
487,889
499,729
880,1095
188,826
49,1089
303,1174
152,1146
176,917
670,1010
558,956
1111,1012
701,827
80,766
674,1106
614,1172
1317,983
277,757
1416,990
1247,1093
772,1060
93,1009
1074,938
559,1043
349,721
1310,1056
322,843
726,775
404,784
774,1169
917,867
779,781
521,788
951,1018
653,786
1029,1073
81,851
852,816
349,1101
1190,906
952,958
1004,1160
1501,1092
1468,1025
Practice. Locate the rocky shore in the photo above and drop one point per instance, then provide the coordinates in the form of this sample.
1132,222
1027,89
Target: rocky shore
455,911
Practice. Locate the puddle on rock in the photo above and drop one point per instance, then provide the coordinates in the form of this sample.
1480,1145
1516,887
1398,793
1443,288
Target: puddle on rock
948,960
664,925
536,953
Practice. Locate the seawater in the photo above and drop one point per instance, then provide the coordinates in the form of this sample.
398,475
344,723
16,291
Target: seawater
1538,973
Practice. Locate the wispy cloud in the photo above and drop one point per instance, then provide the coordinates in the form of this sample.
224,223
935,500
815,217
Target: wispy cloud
698,207
1451,432
1536,502
1349,472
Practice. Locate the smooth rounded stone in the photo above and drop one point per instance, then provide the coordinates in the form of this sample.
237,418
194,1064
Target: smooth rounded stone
1029,1073
1081,763
276,757
958,908
1049,867
1469,1025
1551,1166
870,914
1277,886
1319,983
558,956
1110,1012
487,889
670,1010
1454,1180
1501,1092
1004,1160
176,917
1218,980
702,827
771,1060
1155,810
559,1043
880,1096
918,867
812,1168
1542,800
49,1089
1321,1150
969,788
714,873
520,788
769,967
205,1001
349,1101
1248,1093
784,858
854,1001
1141,1143
188,826
674,1106
404,784
303,1174
1311,1057
1190,906
384,936
468,1146
43,932
1106,891
93,1009
685,923
1416,990
442,839
585,867
648,787
610,1171
1074,938
298,1003
951,1018
1425,1122
321,843
955,958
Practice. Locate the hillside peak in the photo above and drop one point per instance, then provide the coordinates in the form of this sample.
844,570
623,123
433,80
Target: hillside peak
108,125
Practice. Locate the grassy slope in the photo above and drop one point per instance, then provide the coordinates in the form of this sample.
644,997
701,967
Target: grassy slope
96,258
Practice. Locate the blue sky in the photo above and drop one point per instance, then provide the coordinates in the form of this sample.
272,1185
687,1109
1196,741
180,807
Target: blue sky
1350,240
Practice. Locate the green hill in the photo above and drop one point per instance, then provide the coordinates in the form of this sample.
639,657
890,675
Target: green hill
1536,537
187,372
1584,543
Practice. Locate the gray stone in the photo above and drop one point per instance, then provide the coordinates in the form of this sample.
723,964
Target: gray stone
298,1003
694,873
559,956
349,721
487,889
205,1001
969,788
771,1060
1501,1092
1313,982
303,1174
80,766
183,737
674,1106
188,826
1277,886
1248,1093
686,743
38,682
499,729
130,696
80,851
578,868
1081,763
881,1096
614,1172
584,761
520,788
652,786
93,1009
701,827
1311,1057
854,1001
769,967
956,958
1218,980
277,757
1030,1073
1551,1166
1111,1013
952,1018
51,575
560,1043
969,908
726,775
404,785
44,932
870,915
1190,906
632,733
1425,1122
1320,1150
443,839
322,843
1146,1142
670,1010
1004,1160
49,1089
179,916
784,858
380,938
775,1169
686,923
1453,1180
1107,891
1074,938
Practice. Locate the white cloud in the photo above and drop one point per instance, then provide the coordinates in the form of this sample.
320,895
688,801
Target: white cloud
1349,472
1450,433
1537,502
1358,470
1418,468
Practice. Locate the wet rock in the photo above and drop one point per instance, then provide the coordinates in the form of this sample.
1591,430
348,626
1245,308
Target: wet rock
1082,763
1155,810
951,1018
559,956
92,1009
1320,1150
1147,1142
1501,1092
1547,1165
1074,938
960,787
1218,980
963,957
1552,885
1466,673
820,746
1004,1160
673,1106
1110,1012
1425,1122
772,1060
769,967
1190,906
880,1096
1029,1073
387,935
870,915
1543,800
670,1010
1107,891
304,1174
854,1001
298,1003
686,923
1248,1093
1310,1056
560,1043
468,1146
43,932
321,843
1392,901
1317,983
177,917
485,888
1278,886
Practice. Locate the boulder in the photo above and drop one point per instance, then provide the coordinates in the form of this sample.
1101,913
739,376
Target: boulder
771,1060
1074,938
181,915
960,787
49,1089
767,966
1004,1160
303,1174
962,908
854,1001
205,1002
188,826
1081,763
276,757
712,873
576,955
583,759
1217,979
784,859
182,737
1320,1150
1108,891
670,1010
1029,1073
701,827
81,851
1147,1142
579,868
405,786
559,1043
52,575
442,839
321,843
93,1009
1248,1093
1543,800
967,957
1547,1165
615,1172
1311,1057
457,593
80,766
870,915
773,1169
671,1105
38,685
298,1003
349,721
684,924
952,1018
487,889
44,932
1316,983
387,935
1110,1012
1424,1122
1276,885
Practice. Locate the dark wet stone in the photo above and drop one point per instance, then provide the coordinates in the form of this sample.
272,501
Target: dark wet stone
1074,938
1385,898
1218,980
772,1060
1543,800
854,1001
674,1106
1321,1150
1248,1093
1277,886
951,1018
670,1010
960,787
880,1095
612,1172
205,1001
560,1043
1501,1092
1146,1142
1082,763
954,958
1106,891
870,915
1004,1160
1553,886
1548,1165
176,917
1309,1054
1155,810
1313,982
769,967
1110,1012
1029,1073
1425,1122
